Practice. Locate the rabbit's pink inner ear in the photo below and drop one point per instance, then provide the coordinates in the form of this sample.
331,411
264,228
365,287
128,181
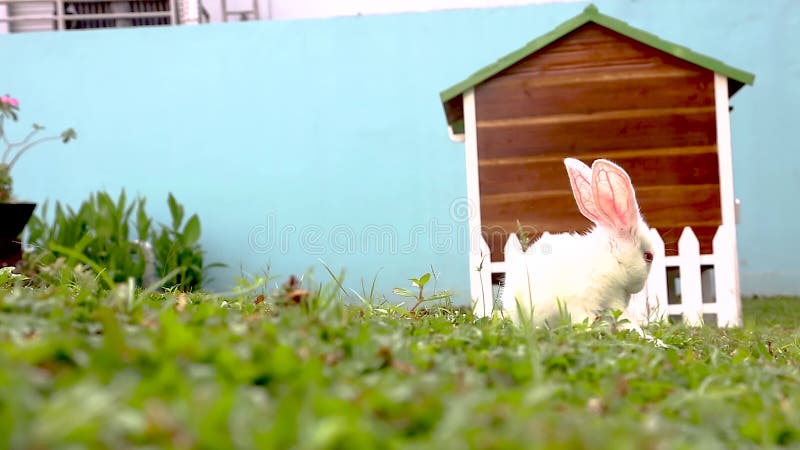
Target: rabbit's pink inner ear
580,178
615,198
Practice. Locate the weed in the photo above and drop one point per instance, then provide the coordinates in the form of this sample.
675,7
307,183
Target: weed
418,296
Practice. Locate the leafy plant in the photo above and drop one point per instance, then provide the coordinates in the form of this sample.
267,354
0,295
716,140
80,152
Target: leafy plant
99,235
418,296
9,108
177,248
99,231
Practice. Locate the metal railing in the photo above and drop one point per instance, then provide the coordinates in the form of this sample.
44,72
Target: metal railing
41,15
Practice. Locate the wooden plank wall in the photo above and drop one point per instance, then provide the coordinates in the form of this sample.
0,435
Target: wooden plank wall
597,94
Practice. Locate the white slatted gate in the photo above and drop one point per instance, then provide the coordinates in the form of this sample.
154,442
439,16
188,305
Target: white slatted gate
689,285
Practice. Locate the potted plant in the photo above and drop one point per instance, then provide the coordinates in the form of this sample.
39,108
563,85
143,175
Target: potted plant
15,215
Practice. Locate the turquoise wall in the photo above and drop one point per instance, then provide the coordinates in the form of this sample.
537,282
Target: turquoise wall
324,139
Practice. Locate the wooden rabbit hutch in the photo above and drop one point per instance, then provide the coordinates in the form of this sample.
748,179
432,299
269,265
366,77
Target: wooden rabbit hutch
595,87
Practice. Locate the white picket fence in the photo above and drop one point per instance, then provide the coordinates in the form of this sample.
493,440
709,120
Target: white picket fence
699,284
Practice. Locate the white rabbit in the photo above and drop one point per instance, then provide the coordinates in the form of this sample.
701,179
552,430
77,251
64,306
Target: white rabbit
584,274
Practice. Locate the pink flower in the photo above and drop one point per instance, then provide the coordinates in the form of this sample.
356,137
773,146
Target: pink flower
9,101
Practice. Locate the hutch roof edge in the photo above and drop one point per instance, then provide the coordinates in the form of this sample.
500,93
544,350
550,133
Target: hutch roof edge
451,96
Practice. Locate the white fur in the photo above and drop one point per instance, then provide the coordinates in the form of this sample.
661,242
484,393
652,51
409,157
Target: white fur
584,274
587,274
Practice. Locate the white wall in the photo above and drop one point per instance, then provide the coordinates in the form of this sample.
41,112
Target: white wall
3,15
302,9
293,9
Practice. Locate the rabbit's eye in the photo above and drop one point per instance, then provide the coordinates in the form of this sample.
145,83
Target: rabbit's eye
648,256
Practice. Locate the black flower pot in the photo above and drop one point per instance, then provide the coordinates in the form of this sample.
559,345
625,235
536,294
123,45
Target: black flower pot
13,218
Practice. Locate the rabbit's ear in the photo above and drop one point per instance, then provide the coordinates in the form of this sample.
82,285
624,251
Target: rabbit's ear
614,197
580,178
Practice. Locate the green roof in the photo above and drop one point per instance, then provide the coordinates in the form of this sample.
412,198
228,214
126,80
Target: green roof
736,77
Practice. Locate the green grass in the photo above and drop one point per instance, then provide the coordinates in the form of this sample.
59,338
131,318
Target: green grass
86,368
777,312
